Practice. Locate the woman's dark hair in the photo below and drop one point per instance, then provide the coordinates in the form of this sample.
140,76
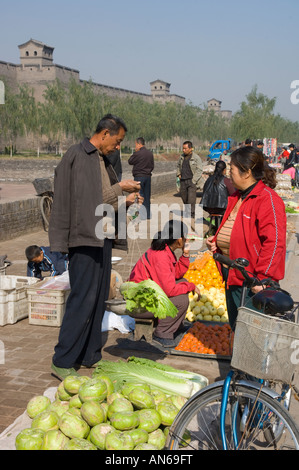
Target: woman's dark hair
218,172
251,158
172,231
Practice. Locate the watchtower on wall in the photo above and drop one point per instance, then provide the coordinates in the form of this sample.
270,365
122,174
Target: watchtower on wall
35,53
214,105
160,92
37,69
160,89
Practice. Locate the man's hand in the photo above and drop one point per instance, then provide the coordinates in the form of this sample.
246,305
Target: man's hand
134,197
130,186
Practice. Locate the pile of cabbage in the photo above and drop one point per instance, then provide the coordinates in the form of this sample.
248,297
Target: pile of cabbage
95,414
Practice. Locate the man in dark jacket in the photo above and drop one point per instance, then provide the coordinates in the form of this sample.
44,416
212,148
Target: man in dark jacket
143,164
84,185
115,160
42,259
189,171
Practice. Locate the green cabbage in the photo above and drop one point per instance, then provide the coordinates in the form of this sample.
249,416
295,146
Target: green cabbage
147,296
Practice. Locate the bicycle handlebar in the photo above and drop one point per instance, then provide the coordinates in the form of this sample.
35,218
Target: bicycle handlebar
274,302
223,259
240,264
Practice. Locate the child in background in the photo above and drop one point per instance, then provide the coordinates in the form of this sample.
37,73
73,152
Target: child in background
41,259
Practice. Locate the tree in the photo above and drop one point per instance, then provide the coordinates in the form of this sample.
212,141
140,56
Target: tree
12,118
84,107
255,118
55,113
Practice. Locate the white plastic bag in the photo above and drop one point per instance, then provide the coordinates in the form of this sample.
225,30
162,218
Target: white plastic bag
123,323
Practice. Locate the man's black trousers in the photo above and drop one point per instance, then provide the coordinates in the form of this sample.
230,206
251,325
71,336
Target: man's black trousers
80,340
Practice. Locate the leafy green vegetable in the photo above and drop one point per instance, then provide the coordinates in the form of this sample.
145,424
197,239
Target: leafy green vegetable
291,207
201,380
122,372
148,296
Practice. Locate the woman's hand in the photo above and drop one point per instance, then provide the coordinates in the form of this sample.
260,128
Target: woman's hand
186,249
211,244
256,289
197,291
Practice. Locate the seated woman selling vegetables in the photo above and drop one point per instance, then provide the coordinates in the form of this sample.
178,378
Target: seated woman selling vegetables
159,263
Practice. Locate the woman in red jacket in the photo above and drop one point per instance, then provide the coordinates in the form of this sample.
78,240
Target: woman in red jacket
159,263
253,226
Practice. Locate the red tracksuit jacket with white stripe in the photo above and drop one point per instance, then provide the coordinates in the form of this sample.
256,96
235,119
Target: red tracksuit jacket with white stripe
163,268
258,234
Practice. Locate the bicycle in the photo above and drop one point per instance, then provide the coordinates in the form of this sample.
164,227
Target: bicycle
46,203
249,409
44,189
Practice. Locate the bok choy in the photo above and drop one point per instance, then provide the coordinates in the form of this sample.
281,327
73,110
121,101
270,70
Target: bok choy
199,379
121,372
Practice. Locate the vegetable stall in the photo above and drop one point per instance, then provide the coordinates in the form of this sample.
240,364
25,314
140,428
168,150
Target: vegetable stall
130,405
209,334
125,405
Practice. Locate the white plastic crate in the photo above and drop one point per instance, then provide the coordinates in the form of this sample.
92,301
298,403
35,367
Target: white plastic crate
13,298
47,303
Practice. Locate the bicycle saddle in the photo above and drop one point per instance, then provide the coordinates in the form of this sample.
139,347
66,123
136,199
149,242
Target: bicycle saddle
271,301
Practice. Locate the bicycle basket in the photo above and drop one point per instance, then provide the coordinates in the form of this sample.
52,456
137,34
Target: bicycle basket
264,346
43,185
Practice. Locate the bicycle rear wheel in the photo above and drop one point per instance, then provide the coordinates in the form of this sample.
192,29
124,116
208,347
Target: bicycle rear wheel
199,419
45,207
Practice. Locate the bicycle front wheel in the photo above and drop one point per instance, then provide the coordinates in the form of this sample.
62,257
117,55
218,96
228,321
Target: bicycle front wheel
251,417
46,206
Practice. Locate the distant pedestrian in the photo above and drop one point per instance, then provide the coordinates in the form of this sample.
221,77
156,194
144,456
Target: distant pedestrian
260,146
291,160
189,171
115,160
292,157
143,165
216,190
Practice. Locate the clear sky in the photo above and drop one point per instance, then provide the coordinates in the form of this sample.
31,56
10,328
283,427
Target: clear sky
204,48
